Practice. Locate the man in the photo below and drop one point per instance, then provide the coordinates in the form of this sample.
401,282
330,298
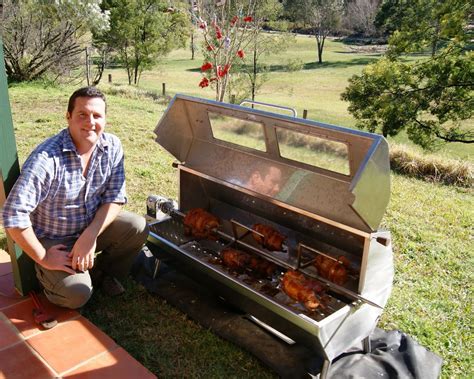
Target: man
266,181
66,206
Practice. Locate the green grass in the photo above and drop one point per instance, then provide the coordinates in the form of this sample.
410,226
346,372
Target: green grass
316,88
165,341
431,225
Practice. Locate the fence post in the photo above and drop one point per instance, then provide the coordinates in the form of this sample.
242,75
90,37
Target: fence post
305,113
22,265
163,88
110,78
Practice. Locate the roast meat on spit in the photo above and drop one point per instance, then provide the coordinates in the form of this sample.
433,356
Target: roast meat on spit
200,224
239,260
272,239
302,289
331,269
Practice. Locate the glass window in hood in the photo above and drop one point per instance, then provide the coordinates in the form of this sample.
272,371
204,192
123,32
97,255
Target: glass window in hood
241,132
315,151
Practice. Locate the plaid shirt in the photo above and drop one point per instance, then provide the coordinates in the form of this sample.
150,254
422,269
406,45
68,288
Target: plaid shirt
52,195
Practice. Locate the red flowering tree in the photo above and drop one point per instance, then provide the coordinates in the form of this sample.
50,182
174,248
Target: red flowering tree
252,72
226,28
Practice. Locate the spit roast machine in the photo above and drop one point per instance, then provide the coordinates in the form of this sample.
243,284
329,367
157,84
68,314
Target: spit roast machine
322,188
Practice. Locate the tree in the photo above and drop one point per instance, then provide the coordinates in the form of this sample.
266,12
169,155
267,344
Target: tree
360,16
142,31
414,26
250,72
431,97
225,27
47,38
322,16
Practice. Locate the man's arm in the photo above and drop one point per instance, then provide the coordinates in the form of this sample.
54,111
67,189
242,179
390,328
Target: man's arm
55,258
83,251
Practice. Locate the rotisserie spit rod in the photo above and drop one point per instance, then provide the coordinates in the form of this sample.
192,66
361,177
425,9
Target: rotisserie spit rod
168,208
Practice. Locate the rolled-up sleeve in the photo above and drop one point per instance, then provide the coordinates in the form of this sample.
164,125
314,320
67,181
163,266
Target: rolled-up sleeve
29,190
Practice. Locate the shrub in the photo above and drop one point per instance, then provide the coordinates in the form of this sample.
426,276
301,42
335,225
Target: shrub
294,64
430,167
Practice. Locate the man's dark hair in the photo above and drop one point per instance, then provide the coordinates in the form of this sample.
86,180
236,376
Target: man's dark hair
84,92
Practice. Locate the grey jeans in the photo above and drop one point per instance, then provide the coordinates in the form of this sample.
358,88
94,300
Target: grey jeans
118,245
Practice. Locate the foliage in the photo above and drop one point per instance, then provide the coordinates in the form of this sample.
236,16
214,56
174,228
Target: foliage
251,73
432,294
225,27
360,15
294,64
143,31
322,16
414,26
429,98
42,37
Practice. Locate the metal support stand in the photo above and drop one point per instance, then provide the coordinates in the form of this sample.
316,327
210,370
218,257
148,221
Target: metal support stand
325,369
366,345
157,267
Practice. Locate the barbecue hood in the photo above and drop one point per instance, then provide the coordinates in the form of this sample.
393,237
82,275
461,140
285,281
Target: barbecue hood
346,178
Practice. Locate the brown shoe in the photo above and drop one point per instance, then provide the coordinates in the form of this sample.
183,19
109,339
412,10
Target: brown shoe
111,286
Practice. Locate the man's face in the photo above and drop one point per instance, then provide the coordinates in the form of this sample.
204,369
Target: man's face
269,184
86,122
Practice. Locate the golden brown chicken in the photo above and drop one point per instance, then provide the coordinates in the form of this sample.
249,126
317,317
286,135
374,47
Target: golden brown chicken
272,239
262,267
239,261
302,289
200,224
235,259
332,270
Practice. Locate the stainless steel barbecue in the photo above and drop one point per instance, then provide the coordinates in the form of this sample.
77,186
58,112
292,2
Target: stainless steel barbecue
324,188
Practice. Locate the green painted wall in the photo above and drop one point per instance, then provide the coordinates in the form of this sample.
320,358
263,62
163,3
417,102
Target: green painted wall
23,266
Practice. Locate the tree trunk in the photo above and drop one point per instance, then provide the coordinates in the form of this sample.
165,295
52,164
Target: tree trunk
100,69
254,76
218,93
222,89
320,42
135,74
192,46
434,42
88,67
129,74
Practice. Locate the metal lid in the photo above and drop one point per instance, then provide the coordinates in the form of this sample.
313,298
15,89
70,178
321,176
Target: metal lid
337,173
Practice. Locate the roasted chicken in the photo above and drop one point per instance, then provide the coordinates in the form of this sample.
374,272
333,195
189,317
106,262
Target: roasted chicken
235,259
200,224
302,289
239,260
332,270
262,267
272,239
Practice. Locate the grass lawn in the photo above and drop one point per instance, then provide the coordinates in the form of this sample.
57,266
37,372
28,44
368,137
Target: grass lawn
431,224
316,88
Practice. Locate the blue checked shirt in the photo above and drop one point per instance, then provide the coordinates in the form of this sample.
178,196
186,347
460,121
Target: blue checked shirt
51,194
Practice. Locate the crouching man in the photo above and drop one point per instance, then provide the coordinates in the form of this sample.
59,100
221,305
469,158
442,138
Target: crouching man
67,205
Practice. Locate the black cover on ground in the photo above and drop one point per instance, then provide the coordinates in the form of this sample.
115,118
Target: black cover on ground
393,355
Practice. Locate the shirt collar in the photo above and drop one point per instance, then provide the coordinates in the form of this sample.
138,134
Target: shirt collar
68,144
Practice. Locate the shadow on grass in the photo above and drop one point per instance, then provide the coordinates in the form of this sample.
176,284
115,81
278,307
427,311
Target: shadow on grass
373,54
315,65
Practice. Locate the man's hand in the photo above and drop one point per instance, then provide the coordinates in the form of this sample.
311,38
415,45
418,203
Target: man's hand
57,258
83,252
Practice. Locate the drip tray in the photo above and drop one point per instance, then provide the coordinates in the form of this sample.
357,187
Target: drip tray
207,251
